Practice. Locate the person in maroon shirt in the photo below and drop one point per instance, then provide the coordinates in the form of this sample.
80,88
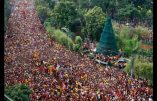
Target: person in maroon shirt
24,13
46,70
42,68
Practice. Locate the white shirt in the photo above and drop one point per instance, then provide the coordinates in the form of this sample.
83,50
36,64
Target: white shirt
150,99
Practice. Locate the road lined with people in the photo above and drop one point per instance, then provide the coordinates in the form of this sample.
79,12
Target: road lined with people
53,72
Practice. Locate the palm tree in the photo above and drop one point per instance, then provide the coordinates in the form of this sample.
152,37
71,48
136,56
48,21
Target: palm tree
131,47
18,92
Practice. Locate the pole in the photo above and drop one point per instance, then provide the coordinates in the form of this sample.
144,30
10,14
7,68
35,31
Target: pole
132,65
138,73
68,40
8,97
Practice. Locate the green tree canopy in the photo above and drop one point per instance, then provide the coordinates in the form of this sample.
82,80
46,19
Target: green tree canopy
108,6
43,12
65,13
78,44
51,21
128,12
18,92
94,18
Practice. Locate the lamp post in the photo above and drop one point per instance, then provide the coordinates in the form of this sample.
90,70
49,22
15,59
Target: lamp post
68,41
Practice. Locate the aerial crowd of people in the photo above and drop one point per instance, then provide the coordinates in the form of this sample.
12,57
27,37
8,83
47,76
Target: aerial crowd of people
52,72
67,81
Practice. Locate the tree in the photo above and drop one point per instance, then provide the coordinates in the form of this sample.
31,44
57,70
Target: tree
43,12
108,6
128,12
80,3
128,41
51,21
65,13
51,3
143,3
76,26
107,41
143,69
131,47
94,18
78,44
18,92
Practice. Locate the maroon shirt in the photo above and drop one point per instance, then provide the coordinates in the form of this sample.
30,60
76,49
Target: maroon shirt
46,70
23,12
41,68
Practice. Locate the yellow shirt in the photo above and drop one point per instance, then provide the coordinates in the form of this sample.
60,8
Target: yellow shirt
125,64
129,81
116,63
85,77
50,69
26,81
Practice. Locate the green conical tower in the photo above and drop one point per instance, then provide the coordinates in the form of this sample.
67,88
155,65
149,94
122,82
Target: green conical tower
107,44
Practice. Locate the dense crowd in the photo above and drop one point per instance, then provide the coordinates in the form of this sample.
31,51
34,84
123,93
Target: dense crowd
77,82
53,72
